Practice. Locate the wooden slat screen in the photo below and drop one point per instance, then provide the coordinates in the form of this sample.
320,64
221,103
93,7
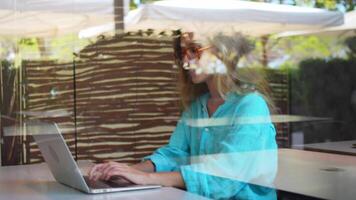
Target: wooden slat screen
49,88
126,100
127,105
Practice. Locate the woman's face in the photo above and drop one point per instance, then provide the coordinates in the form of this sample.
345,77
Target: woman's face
198,78
203,64
192,65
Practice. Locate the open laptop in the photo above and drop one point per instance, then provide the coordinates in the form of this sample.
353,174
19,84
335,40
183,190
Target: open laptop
62,165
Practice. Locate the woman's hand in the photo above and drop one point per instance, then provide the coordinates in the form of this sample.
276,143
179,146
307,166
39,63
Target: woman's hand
114,170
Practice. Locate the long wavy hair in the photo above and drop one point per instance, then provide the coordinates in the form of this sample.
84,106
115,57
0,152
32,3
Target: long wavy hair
229,49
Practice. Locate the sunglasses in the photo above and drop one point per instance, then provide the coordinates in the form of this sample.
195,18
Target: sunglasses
192,53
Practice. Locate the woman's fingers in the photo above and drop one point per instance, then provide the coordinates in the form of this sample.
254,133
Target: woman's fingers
105,171
101,171
96,172
93,172
106,168
116,166
118,173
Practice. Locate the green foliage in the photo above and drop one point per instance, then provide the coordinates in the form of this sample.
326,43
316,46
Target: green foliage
307,45
28,48
344,5
299,48
328,4
132,5
325,89
290,51
286,66
27,41
62,48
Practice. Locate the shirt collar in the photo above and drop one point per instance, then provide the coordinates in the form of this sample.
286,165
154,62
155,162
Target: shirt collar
230,97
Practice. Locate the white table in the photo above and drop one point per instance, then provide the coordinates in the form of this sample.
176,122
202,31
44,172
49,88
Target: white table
315,174
35,182
341,147
321,175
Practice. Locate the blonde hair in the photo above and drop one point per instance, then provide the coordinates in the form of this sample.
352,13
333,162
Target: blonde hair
229,49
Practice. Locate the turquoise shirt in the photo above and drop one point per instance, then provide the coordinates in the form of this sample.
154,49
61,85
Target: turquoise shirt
219,156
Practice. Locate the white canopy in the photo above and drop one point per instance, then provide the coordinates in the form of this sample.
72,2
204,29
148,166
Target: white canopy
347,29
206,16
48,18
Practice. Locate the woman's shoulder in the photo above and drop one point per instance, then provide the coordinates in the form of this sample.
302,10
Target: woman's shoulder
250,98
253,103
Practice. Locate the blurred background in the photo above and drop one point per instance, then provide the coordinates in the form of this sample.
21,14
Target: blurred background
112,90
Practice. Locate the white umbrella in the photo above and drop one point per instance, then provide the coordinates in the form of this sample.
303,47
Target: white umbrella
347,29
207,16
49,18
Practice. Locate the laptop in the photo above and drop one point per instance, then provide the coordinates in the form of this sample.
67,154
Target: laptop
62,165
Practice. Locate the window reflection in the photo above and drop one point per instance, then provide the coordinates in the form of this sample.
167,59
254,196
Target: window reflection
115,98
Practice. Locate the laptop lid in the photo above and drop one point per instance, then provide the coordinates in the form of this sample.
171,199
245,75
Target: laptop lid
57,154
60,160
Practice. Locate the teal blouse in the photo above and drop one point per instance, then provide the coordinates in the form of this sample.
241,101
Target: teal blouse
219,156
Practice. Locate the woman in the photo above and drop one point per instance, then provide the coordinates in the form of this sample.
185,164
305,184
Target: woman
212,151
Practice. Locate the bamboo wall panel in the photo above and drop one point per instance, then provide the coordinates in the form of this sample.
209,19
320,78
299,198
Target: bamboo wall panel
126,100
48,94
128,105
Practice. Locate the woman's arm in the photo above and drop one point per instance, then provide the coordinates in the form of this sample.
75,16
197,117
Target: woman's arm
166,159
145,166
168,179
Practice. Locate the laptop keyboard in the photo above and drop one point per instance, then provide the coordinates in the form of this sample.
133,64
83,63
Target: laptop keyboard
107,184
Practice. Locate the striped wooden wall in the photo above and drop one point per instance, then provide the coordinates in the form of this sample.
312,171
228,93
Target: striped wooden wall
127,105
126,100
49,90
